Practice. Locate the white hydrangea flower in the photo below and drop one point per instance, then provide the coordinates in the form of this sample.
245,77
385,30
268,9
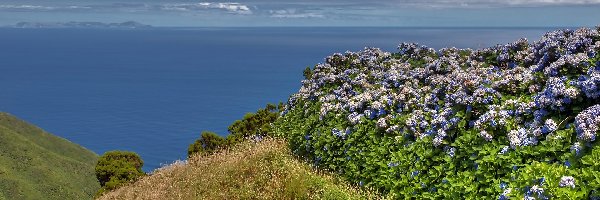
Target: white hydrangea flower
567,181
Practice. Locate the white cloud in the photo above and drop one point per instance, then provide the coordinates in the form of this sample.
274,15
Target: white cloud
236,8
26,7
292,13
40,8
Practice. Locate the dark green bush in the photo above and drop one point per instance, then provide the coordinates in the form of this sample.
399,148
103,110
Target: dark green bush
117,167
208,143
307,73
252,124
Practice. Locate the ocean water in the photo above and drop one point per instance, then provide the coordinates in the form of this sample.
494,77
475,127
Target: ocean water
153,91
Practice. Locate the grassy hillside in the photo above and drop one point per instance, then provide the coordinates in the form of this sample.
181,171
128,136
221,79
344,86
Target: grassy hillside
263,170
37,165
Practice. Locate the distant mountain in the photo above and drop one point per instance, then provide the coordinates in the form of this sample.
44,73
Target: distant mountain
35,164
123,25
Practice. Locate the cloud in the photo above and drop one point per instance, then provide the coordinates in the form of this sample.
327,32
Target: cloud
40,8
281,8
236,8
293,13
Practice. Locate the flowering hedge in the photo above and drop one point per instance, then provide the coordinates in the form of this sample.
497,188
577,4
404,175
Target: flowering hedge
506,122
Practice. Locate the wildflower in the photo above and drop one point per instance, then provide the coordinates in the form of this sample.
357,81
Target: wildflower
504,150
392,129
503,185
414,173
338,133
381,123
587,122
567,181
520,137
486,136
433,189
257,138
576,148
354,118
451,152
549,126
437,141
539,191
505,193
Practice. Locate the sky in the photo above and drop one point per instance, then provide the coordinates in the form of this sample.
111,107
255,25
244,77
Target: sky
250,13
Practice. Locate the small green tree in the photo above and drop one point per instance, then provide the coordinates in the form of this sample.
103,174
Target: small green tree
258,123
307,73
117,167
208,142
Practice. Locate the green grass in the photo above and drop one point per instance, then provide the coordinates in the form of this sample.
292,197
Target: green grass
35,164
264,170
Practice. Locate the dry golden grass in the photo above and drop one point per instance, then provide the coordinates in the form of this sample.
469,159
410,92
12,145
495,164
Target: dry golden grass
263,170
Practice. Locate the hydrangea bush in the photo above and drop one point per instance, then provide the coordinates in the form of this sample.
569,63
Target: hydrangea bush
508,122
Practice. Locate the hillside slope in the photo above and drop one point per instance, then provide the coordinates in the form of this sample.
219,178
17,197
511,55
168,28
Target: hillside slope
263,170
35,164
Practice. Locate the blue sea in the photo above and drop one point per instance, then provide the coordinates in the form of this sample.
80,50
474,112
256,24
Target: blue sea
153,91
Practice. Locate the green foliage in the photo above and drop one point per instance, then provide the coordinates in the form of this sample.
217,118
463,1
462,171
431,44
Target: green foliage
35,164
253,124
208,143
400,165
115,168
307,73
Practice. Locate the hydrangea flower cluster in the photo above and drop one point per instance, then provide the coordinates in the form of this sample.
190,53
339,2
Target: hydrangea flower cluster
587,123
494,108
535,191
567,181
505,193
436,89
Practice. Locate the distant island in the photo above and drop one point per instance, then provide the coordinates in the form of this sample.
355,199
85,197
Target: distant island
74,24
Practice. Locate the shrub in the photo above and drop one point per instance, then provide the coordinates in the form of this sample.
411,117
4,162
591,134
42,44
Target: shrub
257,124
516,120
209,142
253,124
117,167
